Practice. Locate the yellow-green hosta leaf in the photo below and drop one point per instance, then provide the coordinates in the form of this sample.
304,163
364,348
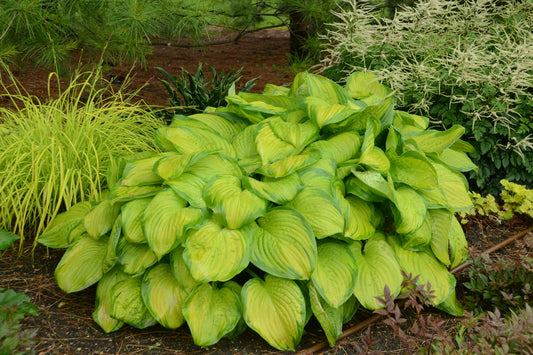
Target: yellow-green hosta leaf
172,164
454,186
82,264
275,90
189,187
323,113
370,186
403,121
101,218
127,304
225,124
281,101
429,269
163,296
376,159
255,111
420,238
287,165
377,268
214,165
234,205
434,198
212,313
320,175
244,142
275,309
102,311
180,270
330,318
215,253
321,211
441,222
349,308
359,224
452,306
284,245
328,90
362,84
410,210
111,257
140,172
413,169
456,160
430,141
335,273
134,258
190,140
166,220
131,213
280,191
57,233
458,244
122,194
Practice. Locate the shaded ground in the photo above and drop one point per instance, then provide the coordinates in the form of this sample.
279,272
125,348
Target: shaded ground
65,323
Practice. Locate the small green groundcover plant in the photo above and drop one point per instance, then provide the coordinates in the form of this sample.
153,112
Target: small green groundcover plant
297,202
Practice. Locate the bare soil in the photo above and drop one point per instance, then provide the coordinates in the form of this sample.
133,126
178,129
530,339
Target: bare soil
65,324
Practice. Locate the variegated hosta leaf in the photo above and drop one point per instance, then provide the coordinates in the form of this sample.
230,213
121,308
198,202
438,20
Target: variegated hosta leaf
140,172
370,186
452,306
132,213
280,191
328,90
324,113
330,318
434,198
376,159
359,224
172,164
212,313
101,218
225,124
420,238
244,142
190,140
335,273
254,111
377,268
166,220
82,264
349,308
287,165
180,270
189,187
431,141
320,210
102,311
234,205
320,175
456,160
284,244
340,148
431,271
111,257
57,233
448,241
458,244
281,101
163,296
127,304
454,186
413,169
214,165
410,210
134,258
362,84
121,194
407,122
275,309
215,253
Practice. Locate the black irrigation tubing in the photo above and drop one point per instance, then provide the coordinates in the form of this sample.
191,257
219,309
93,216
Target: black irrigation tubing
362,325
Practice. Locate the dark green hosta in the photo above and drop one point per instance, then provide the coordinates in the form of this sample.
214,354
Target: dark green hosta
282,205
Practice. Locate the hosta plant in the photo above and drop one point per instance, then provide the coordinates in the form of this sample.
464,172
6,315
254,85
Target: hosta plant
280,206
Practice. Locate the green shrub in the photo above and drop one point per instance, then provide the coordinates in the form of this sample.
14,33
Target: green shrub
54,154
460,62
282,205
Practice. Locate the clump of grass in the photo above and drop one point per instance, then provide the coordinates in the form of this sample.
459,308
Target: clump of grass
55,153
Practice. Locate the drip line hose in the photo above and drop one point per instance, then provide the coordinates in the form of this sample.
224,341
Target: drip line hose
361,325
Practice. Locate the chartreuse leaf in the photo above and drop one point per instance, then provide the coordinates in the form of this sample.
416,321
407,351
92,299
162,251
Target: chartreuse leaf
255,111
340,148
434,198
349,308
454,186
458,244
359,224
457,160
407,122
413,169
284,244
233,204
214,165
82,264
163,296
111,257
180,270
330,318
279,191
420,238
448,241
190,139
56,234
244,142
212,312
100,219
324,113
281,100
215,253
410,210
451,306
102,311
140,172
321,211
189,187
166,220
275,309
171,164
134,258
131,213
429,269
430,141
225,124
287,165
336,272
377,268
328,90
362,84
127,304
370,186
122,194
